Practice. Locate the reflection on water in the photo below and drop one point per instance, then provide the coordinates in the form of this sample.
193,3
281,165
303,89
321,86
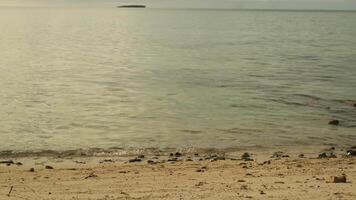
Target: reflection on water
83,77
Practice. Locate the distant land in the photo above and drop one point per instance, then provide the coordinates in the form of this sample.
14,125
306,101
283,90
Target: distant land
132,6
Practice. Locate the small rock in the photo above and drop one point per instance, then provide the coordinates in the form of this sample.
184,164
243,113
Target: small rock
48,167
355,105
301,155
196,154
141,156
241,181
32,169
334,122
189,159
177,154
135,160
18,163
339,179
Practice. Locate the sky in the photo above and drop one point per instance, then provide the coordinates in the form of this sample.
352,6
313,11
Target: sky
230,4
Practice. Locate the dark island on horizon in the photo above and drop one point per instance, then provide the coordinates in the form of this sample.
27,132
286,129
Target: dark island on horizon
132,6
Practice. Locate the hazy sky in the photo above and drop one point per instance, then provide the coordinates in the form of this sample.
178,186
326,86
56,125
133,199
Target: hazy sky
249,4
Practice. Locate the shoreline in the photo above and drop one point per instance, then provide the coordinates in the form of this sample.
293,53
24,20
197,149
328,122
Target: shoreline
176,175
134,151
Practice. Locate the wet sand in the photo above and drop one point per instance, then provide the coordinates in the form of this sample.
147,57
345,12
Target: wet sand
213,176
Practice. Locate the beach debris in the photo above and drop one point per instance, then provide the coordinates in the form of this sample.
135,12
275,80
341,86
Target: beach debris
48,167
202,169
135,160
173,159
152,162
106,160
200,184
7,162
91,175
214,157
246,157
268,162
339,179
8,194
351,152
279,182
244,187
32,169
279,154
327,155
334,122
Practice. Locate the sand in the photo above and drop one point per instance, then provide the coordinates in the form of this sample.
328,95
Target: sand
107,178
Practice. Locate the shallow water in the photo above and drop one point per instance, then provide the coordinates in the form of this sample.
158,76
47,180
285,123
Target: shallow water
105,77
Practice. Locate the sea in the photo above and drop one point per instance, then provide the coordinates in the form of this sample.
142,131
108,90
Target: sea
86,77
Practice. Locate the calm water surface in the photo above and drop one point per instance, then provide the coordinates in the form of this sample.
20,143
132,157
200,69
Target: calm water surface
105,77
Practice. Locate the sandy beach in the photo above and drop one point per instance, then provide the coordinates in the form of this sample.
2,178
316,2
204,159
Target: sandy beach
180,176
